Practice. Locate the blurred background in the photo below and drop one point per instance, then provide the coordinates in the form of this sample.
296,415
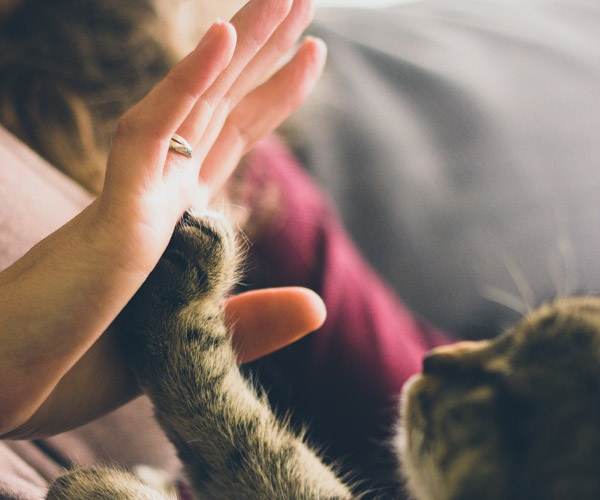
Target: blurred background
357,3
193,17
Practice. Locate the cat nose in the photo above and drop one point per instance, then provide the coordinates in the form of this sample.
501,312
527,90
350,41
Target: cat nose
448,359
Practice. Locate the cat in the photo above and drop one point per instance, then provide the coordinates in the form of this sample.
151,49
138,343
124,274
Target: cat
514,418
517,417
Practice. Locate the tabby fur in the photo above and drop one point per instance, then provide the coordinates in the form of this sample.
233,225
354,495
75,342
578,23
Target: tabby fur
515,418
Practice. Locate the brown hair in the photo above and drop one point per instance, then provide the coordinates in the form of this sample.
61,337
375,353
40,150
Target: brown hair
70,68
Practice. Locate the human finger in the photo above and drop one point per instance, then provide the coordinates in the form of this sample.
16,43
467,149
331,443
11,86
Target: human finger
150,124
257,69
278,46
262,111
254,24
266,320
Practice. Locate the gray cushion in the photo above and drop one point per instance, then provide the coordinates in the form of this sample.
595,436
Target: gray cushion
461,141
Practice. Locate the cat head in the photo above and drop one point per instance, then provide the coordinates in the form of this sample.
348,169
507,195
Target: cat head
510,418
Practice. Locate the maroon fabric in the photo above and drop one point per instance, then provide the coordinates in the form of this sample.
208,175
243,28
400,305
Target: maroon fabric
344,380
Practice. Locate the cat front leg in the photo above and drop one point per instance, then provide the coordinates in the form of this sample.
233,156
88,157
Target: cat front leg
102,484
232,445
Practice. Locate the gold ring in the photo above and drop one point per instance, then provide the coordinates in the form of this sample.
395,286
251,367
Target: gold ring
180,145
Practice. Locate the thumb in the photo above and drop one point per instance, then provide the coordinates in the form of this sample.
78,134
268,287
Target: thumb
263,321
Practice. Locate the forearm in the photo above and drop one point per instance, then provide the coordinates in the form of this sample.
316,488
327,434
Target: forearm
97,384
264,320
56,302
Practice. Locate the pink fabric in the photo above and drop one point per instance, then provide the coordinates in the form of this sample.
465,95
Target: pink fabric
35,199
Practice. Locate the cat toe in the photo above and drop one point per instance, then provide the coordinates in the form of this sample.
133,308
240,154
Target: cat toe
205,247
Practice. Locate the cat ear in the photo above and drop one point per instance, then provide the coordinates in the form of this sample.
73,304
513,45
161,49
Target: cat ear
459,356
465,356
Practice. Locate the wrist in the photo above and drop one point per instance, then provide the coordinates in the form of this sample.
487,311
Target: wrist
133,232
79,279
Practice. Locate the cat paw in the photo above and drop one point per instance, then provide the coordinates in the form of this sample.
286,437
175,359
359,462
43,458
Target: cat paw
204,251
185,289
199,264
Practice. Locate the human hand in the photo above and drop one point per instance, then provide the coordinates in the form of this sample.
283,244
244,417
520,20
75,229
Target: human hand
215,99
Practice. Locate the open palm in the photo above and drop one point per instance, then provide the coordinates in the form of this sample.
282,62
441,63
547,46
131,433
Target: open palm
217,99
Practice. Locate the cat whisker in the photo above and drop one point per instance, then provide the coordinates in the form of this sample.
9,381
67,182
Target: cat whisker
562,267
564,271
519,279
506,299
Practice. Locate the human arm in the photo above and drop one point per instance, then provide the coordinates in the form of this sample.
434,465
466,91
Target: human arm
100,381
59,298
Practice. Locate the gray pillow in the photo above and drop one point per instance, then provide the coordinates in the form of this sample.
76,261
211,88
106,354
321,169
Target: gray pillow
461,142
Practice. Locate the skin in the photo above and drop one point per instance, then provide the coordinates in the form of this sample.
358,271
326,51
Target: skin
80,277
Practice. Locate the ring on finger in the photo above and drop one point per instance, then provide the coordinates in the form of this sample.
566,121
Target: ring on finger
179,145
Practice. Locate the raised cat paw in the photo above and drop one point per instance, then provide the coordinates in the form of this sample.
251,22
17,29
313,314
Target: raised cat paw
230,442
200,263
185,289
202,255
